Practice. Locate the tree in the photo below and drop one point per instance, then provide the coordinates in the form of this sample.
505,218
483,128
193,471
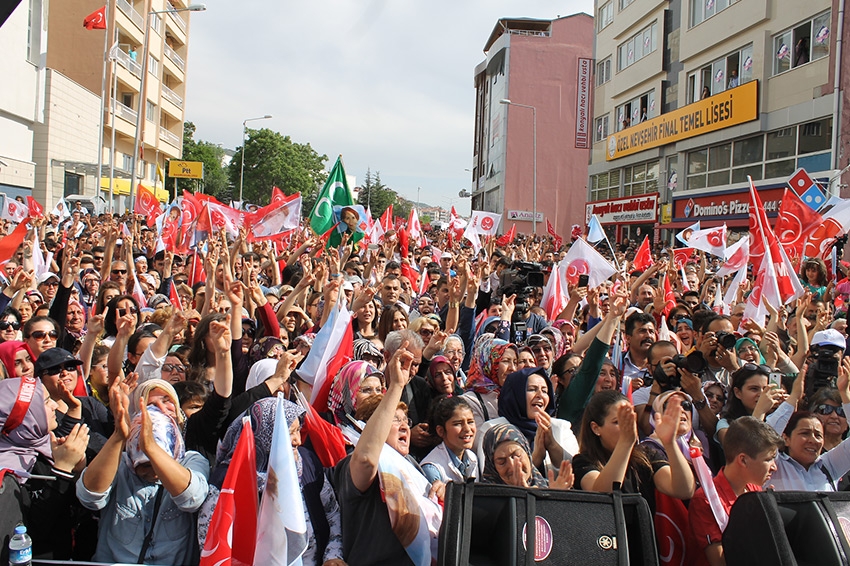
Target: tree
274,160
375,195
211,155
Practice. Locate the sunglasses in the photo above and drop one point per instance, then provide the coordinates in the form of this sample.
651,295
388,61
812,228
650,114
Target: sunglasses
687,406
174,367
541,349
829,409
98,258
131,310
119,272
40,334
761,368
5,325
67,366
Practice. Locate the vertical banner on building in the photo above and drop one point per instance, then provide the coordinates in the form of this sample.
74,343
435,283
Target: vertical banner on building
585,74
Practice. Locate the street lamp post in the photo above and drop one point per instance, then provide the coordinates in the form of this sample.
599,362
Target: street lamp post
143,97
244,134
534,134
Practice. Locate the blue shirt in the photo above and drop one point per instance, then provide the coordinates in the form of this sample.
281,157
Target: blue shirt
126,511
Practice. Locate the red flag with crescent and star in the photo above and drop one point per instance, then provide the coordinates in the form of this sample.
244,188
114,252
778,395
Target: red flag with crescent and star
643,258
795,223
146,204
96,20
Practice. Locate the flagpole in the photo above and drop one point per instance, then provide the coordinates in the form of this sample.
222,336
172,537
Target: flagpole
99,191
112,142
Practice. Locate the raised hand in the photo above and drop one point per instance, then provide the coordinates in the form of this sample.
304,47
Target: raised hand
70,450
627,423
565,479
667,423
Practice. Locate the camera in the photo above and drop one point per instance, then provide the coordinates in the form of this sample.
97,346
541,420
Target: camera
824,371
693,362
726,339
520,280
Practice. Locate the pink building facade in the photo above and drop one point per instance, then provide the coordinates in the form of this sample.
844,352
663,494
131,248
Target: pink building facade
545,64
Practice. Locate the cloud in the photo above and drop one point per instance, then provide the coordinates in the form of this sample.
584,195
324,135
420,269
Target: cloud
386,83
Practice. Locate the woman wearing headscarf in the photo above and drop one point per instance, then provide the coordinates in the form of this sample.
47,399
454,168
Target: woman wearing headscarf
324,536
441,378
492,361
17,358
44,504
145,484
354,382
507,461
526,401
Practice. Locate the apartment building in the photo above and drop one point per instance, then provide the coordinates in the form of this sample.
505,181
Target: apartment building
78,54
532,153
693,96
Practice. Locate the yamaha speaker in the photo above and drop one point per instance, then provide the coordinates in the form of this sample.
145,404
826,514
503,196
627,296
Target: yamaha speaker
490,525
788,528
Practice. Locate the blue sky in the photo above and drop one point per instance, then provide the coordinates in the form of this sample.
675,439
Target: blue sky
387,84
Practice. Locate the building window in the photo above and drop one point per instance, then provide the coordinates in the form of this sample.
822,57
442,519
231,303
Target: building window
640,179
150,111
727,72
127,162
806,42
601,128
635,110
625,4
605,185
747,157
701,10
605,15
156,23
153,66
603,71
127,99
638,46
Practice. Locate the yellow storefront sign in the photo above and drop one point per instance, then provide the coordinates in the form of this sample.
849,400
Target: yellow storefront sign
666,213
729,108
186,169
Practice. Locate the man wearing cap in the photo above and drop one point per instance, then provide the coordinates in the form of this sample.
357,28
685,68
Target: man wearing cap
58,369
446,264
825,355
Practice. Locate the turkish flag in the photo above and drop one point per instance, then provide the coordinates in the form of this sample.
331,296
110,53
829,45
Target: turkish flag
555,296
232,533
327,440
403,242
174,297
35,207
96,20
559,241
643,257
506,239
671,523
795,223
669,297
277,195
10,244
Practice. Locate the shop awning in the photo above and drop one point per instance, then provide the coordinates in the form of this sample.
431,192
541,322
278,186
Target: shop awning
122,187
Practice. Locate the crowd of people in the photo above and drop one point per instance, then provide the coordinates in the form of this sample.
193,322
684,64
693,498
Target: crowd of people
127,372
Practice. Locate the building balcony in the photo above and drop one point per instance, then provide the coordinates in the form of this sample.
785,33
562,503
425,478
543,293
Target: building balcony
125,112
127,62
131,13
175,16
174,57
169,137
172,97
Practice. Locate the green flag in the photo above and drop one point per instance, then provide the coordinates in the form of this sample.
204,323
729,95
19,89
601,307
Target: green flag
334,193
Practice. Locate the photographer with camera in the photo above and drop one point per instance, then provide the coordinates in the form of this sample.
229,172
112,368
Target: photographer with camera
716,342
824,358
668,370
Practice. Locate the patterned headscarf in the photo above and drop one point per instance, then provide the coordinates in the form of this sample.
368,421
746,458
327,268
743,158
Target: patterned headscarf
365,347
144,390
20,447
495,436
559,345
261,415
166,434
261,348
487,351
345,386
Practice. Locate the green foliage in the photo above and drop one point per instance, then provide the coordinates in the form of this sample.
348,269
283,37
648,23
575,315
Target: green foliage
425,219
378,196
272,159
215,180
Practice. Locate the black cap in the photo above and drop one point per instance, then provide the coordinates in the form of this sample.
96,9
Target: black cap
52,358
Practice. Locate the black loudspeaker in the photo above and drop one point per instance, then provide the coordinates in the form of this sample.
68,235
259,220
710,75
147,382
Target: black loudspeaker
488,525
788,528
